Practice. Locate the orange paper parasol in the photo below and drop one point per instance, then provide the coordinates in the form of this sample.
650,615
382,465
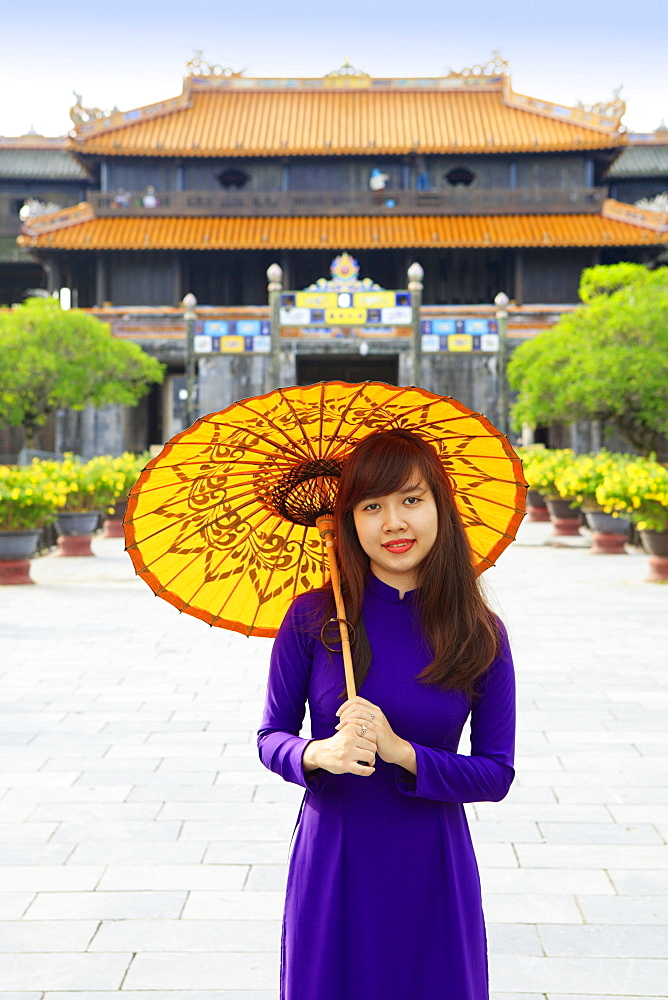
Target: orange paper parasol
222,524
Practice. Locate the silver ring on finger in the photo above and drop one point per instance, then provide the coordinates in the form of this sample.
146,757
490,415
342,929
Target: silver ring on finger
363,731
372,716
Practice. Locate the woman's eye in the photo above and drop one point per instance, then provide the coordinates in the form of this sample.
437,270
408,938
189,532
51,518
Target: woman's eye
412,501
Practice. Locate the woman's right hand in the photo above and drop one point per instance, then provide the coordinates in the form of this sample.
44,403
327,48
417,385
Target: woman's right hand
340,753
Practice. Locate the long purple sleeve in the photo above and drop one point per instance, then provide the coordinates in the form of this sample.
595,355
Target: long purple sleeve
487,774
280,746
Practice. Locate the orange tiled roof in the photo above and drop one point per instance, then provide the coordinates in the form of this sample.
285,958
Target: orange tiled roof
238,118
354,232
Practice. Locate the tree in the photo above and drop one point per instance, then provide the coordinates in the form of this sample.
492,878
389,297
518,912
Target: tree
52,359
607,360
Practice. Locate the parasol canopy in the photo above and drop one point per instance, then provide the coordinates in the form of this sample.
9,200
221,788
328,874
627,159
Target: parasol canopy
222,523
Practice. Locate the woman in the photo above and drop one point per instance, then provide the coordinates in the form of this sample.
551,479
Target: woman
383,895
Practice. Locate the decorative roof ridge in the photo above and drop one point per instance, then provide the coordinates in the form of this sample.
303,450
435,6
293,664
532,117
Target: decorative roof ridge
599,117
644,218
659,137
93,121
72,216
33,141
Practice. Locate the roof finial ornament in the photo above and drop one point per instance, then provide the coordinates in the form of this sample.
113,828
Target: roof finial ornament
347,70
197,66
614,109
496,66
81,115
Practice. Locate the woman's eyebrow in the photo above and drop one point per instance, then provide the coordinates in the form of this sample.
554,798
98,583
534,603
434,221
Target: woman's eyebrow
419,488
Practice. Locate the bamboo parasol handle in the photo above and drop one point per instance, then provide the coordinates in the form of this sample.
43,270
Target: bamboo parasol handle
325,526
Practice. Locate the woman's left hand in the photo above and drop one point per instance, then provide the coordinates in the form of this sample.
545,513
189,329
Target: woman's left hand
357,711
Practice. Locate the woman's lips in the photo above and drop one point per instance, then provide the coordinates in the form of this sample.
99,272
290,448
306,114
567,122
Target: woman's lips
400,545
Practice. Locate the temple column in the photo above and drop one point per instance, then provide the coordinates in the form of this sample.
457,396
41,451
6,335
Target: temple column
177,279
518,282
53,273
101,284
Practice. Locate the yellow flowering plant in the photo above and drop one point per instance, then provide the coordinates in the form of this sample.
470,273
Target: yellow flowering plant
97,484
28,497
638,490
541,468
581,477
127,468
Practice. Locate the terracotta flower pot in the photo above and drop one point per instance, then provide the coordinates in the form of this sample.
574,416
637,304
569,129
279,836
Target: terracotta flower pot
113,524
16,549
536,507
75,528
656,543
608,533
565,519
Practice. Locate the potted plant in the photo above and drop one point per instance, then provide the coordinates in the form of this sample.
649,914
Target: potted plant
639,490
536,506
28,501
542,475
580,479
88,488
126,470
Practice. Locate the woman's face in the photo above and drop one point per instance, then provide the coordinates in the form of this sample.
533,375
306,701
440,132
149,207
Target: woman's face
397,531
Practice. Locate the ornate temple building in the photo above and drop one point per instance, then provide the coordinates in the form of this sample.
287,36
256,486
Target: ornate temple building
488,190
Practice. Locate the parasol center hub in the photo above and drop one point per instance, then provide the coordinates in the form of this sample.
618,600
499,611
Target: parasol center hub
306,492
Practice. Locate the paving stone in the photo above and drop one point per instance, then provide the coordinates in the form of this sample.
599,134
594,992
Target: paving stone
63,971
14,904
132,830
512,908
624,909
598,976
599,833
234,906
187,935
129,853
119,905
163,995
183,970
547,880
34,854
604,941
163,877
592,856
47,935
639,882
50,878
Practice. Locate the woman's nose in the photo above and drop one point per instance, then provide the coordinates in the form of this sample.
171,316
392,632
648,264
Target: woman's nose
394,520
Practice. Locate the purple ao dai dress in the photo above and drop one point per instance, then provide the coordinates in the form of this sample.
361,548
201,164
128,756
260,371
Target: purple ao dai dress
383,893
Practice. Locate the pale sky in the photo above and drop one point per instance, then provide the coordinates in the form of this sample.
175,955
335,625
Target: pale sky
128,54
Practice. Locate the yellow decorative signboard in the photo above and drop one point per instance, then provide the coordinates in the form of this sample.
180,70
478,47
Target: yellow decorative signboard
316,300
460,342
345,317
374,300
232,345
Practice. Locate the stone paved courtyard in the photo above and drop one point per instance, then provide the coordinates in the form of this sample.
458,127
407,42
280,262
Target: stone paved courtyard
143,845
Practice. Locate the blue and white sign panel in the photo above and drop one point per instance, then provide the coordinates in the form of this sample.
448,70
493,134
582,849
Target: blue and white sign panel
233,336
460,335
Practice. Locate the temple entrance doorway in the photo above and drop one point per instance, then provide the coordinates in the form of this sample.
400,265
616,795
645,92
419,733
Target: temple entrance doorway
347,368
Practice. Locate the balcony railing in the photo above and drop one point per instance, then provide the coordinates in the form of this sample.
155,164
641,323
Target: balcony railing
494,201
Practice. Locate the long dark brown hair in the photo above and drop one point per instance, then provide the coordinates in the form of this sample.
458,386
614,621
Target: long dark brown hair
459,627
